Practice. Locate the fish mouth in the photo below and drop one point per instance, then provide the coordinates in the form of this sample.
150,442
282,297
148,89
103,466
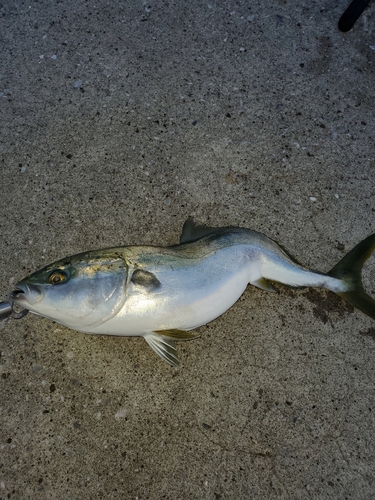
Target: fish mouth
27,294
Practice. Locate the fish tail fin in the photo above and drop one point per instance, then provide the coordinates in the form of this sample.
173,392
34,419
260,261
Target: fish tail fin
349,269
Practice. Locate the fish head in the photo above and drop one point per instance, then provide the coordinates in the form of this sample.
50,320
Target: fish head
80,291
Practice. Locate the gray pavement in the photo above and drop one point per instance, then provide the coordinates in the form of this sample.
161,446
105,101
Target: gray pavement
118,121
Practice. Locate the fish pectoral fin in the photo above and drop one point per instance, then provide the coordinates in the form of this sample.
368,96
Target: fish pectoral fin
263,284
164,347
145,278
177,334
191,232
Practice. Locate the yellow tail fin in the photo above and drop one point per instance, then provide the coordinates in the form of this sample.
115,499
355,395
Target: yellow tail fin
349,271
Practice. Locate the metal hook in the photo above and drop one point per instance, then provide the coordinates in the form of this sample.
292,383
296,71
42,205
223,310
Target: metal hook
9,308
5,310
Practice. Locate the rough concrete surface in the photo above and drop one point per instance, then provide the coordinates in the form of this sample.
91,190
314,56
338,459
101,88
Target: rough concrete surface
119,120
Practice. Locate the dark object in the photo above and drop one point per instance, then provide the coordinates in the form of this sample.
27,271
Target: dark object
351,15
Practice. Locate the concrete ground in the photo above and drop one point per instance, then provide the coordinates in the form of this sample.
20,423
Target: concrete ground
118,121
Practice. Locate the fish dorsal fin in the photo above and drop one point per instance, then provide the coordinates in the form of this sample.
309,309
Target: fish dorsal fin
145,278
163,343
191,232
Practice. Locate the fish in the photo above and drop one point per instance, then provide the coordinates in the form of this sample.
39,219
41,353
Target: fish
163,293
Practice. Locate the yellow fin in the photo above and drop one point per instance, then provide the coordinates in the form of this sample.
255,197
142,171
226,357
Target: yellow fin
263,284
177,334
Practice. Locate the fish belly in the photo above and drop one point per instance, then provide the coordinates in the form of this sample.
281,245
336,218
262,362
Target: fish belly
189,296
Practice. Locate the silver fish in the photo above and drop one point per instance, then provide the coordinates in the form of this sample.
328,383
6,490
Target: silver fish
161,293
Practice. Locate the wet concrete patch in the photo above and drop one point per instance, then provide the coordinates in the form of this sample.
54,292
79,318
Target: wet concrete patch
327,303
370,333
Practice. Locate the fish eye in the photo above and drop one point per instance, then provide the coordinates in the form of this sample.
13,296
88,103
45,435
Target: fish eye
57,277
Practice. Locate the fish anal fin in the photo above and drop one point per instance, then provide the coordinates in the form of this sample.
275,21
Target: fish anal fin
263,284
164,347
191,232
177,334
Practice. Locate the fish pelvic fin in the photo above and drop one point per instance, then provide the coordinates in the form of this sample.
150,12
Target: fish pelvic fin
163,343
349,269
164,347
177,334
